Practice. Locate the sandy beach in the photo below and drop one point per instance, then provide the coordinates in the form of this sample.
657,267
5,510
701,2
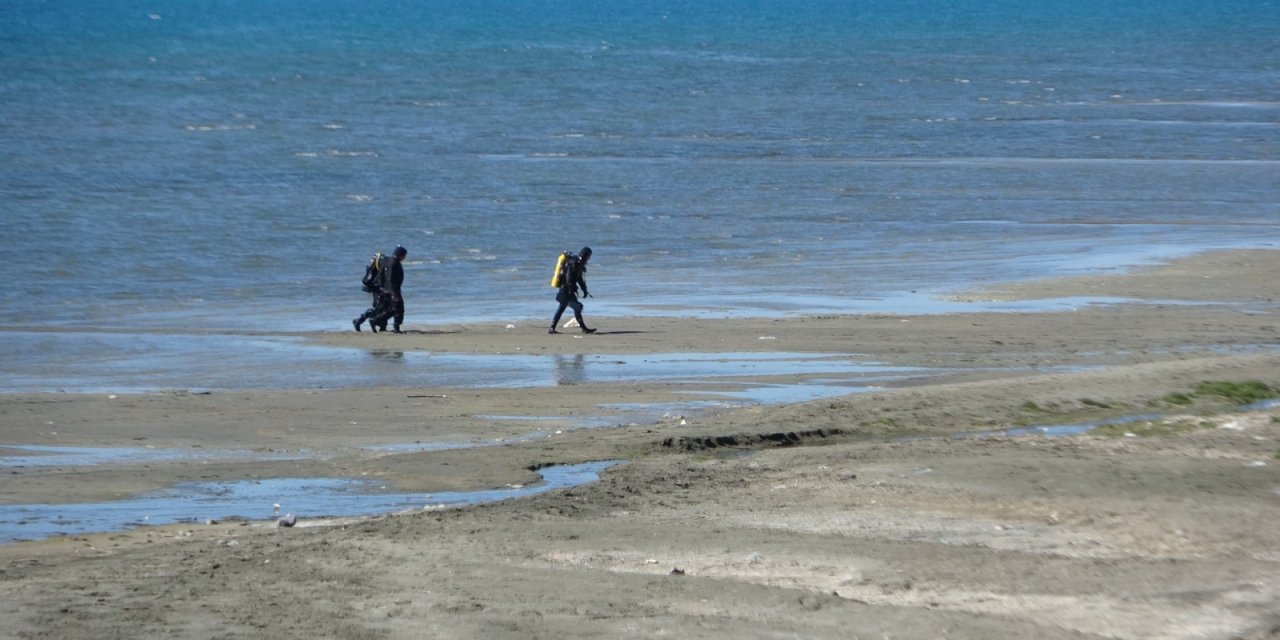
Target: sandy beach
878,514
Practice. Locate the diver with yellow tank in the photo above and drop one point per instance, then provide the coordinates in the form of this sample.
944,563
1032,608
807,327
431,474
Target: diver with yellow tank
569,277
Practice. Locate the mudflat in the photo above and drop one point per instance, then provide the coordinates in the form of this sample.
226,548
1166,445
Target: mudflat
931,505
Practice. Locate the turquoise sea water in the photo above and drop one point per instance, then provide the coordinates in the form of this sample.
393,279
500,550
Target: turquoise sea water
231,164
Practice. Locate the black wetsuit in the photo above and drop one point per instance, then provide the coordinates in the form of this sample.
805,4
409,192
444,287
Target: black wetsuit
390,303
575,272
372,282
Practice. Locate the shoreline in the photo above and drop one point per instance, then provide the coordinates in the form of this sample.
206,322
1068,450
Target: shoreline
864,354
798,518
107,360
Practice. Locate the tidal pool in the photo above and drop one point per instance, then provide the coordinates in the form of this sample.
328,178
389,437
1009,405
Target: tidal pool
30,455
1085,427
305,498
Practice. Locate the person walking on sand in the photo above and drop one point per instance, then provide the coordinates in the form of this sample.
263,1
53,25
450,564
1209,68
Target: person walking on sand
573,278
372,284
391,306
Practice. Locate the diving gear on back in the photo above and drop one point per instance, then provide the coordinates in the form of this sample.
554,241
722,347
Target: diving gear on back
558,276
373,273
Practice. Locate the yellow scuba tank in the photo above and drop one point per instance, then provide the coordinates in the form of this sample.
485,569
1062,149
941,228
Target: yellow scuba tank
555,277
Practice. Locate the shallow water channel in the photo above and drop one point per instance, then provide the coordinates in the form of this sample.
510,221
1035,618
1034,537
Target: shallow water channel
201,502
312,497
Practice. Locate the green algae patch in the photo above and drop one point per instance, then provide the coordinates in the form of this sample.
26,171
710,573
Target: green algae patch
1246,392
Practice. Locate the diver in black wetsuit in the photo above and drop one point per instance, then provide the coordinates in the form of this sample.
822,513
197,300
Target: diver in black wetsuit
372,283
573,278
391,304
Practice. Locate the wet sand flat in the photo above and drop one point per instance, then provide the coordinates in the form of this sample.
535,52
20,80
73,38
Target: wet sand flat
853,516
